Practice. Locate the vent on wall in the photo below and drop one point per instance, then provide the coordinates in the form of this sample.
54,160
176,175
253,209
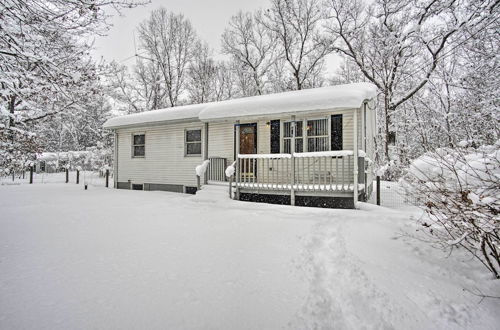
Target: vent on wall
137,186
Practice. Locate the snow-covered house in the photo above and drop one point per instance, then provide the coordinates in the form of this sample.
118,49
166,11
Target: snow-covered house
302,147
51,162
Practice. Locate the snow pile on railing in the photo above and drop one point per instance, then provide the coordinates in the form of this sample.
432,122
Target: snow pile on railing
264,156
201,169
338,153
230,170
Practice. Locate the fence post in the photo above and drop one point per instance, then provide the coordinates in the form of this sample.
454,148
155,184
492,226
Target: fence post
77,176
107,178
31,174
67,175
378,190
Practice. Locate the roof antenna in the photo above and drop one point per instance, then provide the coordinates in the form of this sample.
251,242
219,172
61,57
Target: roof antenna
135,47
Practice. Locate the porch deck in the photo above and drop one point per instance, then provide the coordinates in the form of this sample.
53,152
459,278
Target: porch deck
315,174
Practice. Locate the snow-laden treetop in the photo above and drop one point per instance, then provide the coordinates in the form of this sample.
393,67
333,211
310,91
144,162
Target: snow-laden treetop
349,96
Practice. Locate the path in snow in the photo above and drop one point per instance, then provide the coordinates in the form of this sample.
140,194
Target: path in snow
107,258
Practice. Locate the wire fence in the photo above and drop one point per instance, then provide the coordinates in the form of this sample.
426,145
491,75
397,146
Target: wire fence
392,195
89,178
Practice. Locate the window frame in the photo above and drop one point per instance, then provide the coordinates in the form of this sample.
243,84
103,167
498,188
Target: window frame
283,138
305,135
193,142
328,135
137,145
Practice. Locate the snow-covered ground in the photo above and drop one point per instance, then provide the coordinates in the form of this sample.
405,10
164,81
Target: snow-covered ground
109,259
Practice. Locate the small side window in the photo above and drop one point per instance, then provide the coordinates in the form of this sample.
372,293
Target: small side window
138,145
193,142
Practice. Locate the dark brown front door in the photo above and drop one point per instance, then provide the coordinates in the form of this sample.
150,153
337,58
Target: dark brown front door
248,138
248,145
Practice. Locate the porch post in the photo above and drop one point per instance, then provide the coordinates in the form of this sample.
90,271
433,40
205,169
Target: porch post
237,172
115,161
292,159
355,151
205,150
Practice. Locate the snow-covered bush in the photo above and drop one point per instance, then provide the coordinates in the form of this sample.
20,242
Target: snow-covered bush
17,149
460,191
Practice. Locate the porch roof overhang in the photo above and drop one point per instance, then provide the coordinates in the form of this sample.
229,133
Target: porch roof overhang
302,102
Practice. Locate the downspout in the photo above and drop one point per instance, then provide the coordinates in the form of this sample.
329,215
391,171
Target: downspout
355,168
205,151
237,172
115,162
365,175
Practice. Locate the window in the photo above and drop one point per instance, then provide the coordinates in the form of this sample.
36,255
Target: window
138,145
317,135
193,142
287,136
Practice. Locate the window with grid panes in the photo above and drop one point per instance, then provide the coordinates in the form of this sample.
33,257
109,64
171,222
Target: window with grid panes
139,145
317,135
193,142
287,137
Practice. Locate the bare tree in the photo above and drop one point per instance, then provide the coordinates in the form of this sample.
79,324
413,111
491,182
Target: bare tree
169,40
225,87
296,25
202,75
45,65
249,43
398,44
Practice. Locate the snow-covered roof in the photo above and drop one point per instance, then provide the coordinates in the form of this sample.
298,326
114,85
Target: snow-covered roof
349,96
170,114
63,155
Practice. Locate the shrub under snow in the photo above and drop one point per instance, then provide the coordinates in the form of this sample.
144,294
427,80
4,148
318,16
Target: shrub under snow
460,191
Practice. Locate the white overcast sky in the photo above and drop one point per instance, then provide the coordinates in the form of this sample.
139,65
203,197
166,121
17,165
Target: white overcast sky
209,18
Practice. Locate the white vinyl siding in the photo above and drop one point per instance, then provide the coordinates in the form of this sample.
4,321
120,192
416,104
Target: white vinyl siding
164,161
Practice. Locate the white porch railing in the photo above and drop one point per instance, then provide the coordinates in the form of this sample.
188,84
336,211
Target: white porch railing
216,168
314,172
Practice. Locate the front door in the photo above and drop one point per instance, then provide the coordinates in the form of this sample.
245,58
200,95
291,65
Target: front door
248,145
248,138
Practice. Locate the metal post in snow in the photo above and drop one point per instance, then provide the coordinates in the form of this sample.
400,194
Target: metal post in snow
198,184
77,176
355,167
67,175
31,174
378,190
107,178
292,151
